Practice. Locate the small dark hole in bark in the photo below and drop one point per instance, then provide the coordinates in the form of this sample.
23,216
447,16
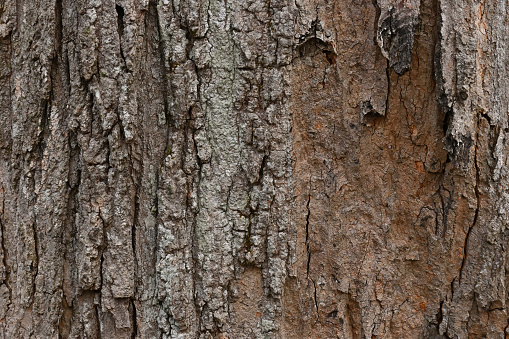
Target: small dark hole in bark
333,314
368,114
331,57
463,95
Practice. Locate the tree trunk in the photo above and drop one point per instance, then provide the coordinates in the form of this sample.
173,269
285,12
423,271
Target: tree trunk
254,169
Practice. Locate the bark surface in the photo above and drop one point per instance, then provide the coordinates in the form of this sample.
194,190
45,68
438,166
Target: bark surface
254,169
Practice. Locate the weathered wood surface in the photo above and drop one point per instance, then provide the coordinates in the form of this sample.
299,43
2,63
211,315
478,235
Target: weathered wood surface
254,169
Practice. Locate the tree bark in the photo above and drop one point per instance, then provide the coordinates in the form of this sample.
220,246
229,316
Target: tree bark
254,169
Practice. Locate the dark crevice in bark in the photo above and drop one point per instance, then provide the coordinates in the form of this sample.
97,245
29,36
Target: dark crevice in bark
307,236
98,320
4,256
70,231
120,19
447,122
440,316
194,253
188,137
315,299
120,127
135,261
90,109
35,266
387,99
260,172
101,280
330,56
67,73
134,323
44,125
378,12
439,229
120,29
58,28
248,243
439,77
133,228
446,205
478,202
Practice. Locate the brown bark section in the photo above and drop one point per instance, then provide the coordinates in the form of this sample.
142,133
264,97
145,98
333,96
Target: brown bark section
251,169
370,193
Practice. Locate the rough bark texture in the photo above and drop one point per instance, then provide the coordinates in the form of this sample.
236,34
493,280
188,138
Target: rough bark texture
254,169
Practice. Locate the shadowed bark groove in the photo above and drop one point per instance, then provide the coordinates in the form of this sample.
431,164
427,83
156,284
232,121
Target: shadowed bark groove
253,169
